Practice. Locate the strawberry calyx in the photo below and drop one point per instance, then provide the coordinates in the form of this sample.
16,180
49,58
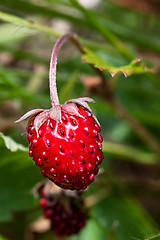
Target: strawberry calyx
54,113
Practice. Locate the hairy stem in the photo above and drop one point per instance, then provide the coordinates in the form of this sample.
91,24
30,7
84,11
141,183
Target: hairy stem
53,63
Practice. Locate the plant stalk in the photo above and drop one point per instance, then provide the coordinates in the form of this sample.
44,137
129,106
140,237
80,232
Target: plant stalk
52,72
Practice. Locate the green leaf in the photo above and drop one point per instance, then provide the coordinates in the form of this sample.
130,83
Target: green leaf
11,34
18,176
2,238
29,24
155,237
125,218
119,218
91,231
11,144
135,67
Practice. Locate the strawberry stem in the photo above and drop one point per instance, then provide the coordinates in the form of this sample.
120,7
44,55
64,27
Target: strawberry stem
52,72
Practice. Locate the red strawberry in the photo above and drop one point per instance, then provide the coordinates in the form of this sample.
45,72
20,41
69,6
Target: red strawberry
64,141
66,211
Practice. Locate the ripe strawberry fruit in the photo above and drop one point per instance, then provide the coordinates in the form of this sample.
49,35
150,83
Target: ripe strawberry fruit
67,212
64,141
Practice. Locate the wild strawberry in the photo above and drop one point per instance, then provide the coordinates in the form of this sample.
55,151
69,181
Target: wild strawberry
64,141
66,211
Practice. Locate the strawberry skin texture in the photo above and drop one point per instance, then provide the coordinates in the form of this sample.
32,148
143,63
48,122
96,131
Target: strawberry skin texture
68,151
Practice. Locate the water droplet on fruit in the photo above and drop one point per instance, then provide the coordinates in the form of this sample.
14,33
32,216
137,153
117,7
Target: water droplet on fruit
91,148
97,127
89,166
92,177
71,153
30,153
39,161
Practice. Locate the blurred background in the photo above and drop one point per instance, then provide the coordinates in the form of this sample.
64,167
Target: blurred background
124,199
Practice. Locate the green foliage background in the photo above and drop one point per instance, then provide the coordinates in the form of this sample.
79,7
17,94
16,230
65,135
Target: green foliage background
113,37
